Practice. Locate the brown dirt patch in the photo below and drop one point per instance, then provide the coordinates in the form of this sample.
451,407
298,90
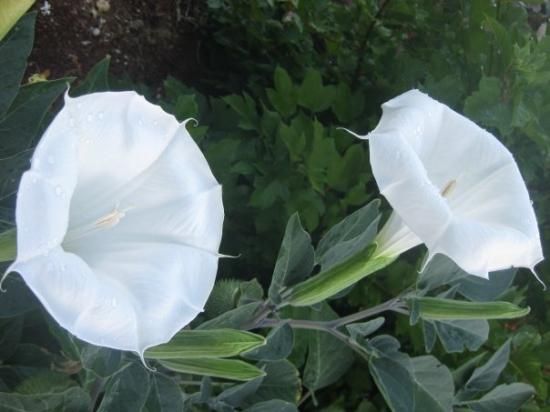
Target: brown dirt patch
146,39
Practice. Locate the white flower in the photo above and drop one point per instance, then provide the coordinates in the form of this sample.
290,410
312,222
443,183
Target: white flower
453,186
119,222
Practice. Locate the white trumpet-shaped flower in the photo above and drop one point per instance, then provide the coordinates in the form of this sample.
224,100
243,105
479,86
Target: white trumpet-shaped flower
119,221
453,186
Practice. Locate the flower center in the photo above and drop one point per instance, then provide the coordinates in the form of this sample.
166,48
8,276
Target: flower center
107,221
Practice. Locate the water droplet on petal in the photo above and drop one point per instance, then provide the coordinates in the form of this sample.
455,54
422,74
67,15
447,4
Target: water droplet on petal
100,115
51,160
34,179
79,105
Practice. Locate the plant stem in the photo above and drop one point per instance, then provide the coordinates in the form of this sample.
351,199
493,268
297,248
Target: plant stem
331,326
96,390
392,305
363,46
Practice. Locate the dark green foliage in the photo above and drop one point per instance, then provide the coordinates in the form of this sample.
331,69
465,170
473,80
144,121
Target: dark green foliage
286,75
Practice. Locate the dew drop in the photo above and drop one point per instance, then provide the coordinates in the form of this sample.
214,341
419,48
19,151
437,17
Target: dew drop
79,105
51,160
34,179
100,115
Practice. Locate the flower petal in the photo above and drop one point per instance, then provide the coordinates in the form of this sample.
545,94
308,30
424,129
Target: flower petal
454,185
140,214
92,307
42,214
119,136
166,242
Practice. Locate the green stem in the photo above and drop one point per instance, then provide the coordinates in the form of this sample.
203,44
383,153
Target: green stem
331,326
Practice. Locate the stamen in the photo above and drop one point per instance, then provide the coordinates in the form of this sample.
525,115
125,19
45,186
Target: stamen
449,187
108,221
111,219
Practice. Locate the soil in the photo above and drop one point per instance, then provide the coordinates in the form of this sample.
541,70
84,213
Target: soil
146,39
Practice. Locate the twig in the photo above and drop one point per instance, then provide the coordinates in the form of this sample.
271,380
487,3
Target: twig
363,47
331,327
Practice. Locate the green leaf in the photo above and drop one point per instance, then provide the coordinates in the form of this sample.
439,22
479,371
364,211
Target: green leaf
486,376
347,105
220,368
443,271
282,381
245,107
283,97
327,357
14,51
10,335
504,398
72,399
236,395
486,106
279,343
97,79
165,395
20,124
350,236
328,283
212,343
458,335
503,41
234,319
295,259
462,373
274,405
430,335
445,309
11,170
8,244
364,329
344,172
413,384
127,390
103,362
17,299
294,140
312,94
12,10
